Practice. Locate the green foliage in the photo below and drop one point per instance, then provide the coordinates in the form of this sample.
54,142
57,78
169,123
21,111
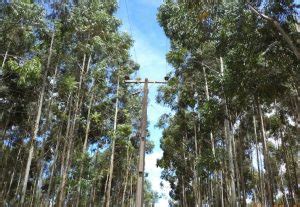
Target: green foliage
76,47
28,72
228,61
68,84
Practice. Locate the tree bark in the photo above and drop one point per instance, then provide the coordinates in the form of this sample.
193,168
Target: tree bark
229,144
128,159
87,131
111,168
261,188
208,98
37,124
70,139
269,184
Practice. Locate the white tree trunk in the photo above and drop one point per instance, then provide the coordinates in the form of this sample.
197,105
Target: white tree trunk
37,124
111,167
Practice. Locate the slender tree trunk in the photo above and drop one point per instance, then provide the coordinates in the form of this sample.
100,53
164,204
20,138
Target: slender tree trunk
111,168
37,124
32,194
53,165
295,175
39,185
128,159
229,144
18,186
48,110
5,56
105,188
184,199
197,187
61,197
260,180
212,140
240,157
228,137
12,178
83,76
287,166
237,171
222,189
94,183
184,203
131,192
269,184
87,131
208,98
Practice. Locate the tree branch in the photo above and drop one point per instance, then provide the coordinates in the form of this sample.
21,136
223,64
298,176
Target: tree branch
276,24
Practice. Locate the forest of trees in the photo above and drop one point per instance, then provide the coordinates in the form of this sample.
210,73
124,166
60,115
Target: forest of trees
232,138
62,94
69,125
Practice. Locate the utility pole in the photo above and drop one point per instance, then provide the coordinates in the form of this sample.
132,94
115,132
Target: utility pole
143,134
141,165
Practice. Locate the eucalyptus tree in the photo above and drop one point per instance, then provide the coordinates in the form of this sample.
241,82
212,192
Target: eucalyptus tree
226,51
60,62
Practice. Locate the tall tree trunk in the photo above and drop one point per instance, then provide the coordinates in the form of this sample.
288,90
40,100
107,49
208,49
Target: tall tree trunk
260,180
37,199
240,156
53,166
105,188
18,186
228,137
12,177
61,196
78,103
128,163
295,176
222,189
87,131
208,98
184,202
197,184
269,184
58,142
131,192
37,124
229,145
184,199
111,167
237,171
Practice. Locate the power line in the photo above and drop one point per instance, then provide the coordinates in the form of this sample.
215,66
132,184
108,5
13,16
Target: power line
166,55
130,30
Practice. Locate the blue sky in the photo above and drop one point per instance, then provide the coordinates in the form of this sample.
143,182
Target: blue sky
149,51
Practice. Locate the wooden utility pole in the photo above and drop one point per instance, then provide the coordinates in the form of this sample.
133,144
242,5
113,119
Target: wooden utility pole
143,134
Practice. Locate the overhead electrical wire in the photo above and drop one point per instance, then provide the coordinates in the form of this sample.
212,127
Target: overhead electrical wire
130,30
